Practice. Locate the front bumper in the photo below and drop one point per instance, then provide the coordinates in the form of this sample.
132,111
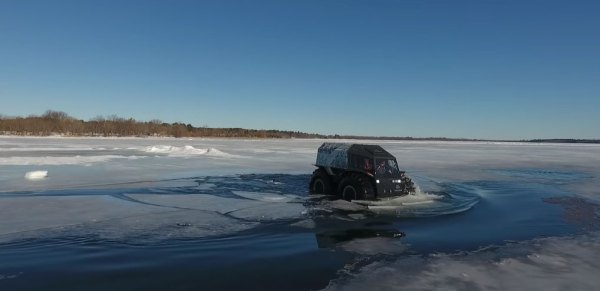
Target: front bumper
393,187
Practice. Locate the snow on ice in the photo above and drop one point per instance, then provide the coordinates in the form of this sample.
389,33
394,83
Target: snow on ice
147,173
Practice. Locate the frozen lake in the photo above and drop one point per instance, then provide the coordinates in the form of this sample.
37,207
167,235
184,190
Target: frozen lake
222,214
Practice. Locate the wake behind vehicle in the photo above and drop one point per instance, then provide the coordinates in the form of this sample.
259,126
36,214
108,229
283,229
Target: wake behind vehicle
358,172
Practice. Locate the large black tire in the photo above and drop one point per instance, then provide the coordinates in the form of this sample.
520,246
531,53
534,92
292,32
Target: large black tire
356,187
320,183
408,185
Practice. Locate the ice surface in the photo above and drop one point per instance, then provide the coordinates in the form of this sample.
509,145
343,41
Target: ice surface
144,215
258,207
543,264
24,214
79,162
163,225
118,160
134,165
57,160
197,202
270,212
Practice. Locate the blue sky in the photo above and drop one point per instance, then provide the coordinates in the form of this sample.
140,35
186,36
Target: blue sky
474,69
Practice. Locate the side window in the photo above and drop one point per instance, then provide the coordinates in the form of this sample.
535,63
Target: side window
361,163
380,168
366,165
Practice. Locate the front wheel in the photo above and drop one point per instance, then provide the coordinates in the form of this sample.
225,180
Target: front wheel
356,187
408,185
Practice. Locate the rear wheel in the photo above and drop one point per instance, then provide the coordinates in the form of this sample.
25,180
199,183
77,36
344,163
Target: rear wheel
356,187
320,183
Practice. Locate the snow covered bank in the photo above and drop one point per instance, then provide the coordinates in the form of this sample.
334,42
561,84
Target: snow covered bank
68,160
185,151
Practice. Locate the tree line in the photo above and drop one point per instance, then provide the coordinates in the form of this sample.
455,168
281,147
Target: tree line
58,122
565,140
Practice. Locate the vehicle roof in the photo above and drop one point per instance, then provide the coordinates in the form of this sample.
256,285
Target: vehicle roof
367,150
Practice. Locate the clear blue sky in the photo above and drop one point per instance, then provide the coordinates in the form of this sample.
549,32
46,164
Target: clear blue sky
475,69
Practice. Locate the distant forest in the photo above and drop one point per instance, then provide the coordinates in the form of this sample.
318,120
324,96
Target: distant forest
60,123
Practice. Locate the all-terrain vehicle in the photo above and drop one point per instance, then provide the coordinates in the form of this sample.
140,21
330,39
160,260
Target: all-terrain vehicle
358,172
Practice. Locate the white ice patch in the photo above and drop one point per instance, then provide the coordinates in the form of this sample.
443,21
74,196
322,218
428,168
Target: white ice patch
185,151
36,175
266,197
68,160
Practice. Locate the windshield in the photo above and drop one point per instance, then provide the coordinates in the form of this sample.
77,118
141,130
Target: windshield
386,167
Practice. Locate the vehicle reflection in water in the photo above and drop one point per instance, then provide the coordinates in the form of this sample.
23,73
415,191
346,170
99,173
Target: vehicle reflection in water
333,238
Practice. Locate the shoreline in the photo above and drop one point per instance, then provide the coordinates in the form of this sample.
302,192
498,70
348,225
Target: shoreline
346,140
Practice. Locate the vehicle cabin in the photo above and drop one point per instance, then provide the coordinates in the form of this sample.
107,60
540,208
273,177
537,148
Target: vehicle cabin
358,171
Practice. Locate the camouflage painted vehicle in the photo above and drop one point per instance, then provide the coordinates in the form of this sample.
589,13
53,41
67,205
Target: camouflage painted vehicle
358,172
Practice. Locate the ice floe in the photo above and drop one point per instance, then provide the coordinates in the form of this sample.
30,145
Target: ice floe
568,263
36,175
267,197
22,214
164,225
252,207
